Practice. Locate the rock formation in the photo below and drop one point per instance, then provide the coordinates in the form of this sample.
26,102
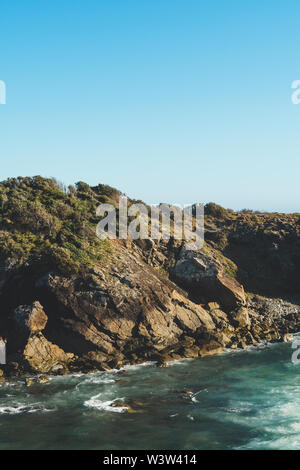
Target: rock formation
72,303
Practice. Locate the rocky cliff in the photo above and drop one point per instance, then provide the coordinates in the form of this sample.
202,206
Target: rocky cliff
70,302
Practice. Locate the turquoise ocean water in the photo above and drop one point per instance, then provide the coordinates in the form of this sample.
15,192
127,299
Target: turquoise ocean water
246,399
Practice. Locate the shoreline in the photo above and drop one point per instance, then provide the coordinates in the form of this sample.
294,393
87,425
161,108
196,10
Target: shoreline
43,378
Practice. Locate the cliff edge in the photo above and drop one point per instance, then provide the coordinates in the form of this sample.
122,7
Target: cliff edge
71,302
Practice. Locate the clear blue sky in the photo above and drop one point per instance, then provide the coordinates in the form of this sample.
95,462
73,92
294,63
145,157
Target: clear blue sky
168,100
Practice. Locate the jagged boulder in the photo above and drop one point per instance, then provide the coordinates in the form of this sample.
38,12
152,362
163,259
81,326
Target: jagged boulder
241,316
44,356
27,342
30,317
204,275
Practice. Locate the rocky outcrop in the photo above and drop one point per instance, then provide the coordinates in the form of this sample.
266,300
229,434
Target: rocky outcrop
70,303
28,344
30,318
241,316
205,276
129,312
127,315
43,356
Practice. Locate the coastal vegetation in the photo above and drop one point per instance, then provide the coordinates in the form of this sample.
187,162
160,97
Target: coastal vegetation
43,222
72,302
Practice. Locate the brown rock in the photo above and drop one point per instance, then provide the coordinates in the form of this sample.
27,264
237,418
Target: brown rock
131,406
192,351
287,337
29,382
204,275
31,317
42,355
241,316
222,338
231,291
210,349
43,379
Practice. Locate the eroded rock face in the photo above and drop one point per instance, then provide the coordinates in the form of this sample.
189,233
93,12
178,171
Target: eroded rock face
127,316
28,343
205,275
129,312
30,317
62,292
43,356
241,316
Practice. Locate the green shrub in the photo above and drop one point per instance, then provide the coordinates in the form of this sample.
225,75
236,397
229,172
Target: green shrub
40,222
215,210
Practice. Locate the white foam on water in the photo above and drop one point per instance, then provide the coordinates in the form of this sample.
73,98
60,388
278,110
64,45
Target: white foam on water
281,443
179,361
294,336
17,383
101,380
94,379
135,366
11,410
250,347
107,405
193,397
19,409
